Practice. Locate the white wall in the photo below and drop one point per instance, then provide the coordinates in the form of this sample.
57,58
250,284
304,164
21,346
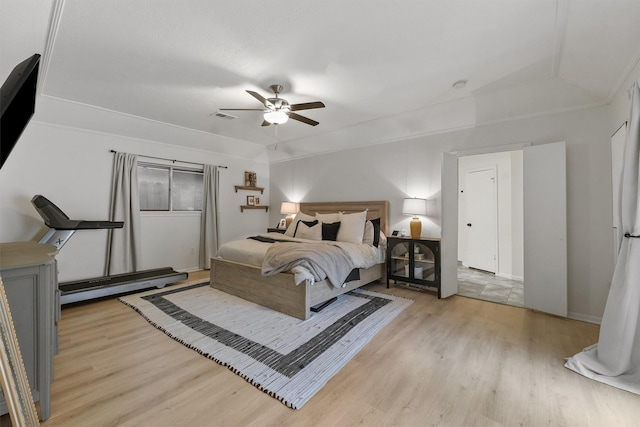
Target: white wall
72,167
382,172
174,237
413,167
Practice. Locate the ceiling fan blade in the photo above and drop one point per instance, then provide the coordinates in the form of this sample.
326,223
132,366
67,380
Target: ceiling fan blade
306,106
240,109
303,119
266,123
261,98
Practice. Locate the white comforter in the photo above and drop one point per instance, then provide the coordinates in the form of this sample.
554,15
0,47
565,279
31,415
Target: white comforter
249,251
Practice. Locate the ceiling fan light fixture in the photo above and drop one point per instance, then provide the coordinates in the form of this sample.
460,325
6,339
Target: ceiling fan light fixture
277,110
276,117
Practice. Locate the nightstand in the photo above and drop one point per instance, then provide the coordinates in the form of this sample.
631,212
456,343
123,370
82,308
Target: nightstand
276,230
414,261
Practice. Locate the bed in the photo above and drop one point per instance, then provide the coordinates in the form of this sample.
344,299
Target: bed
280,292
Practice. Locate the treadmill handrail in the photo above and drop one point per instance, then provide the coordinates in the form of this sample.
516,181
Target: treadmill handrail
54,217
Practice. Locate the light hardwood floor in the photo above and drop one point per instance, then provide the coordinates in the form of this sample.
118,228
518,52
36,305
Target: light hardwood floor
450,362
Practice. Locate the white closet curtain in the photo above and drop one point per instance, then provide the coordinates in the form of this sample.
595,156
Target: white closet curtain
208,229
615,359
124,253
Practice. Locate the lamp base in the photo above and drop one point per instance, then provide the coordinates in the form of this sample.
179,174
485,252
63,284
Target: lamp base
288,219
416,227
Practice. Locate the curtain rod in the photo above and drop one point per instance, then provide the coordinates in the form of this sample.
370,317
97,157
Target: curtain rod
170,160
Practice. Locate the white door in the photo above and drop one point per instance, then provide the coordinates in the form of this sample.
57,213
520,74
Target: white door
545,228
449,241
481,219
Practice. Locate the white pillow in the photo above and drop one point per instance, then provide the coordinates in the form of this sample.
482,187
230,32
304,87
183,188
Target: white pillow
299,217
372,227
351,227
328,218
311,233
368,233
383,240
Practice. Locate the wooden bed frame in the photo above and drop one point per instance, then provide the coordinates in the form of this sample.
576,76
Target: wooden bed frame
279,292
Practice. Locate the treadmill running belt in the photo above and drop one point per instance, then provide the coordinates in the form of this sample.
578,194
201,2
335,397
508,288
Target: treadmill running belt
116,279
84,290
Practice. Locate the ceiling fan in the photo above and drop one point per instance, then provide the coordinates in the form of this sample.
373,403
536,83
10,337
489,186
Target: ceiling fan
278,110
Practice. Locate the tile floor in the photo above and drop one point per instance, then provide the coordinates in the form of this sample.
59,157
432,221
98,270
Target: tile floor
487,286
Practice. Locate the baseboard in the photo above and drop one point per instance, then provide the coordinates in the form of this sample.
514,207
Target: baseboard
584,318
510,277
497,274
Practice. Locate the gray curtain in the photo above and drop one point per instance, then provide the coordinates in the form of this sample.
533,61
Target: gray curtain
209,225
124,251
615,359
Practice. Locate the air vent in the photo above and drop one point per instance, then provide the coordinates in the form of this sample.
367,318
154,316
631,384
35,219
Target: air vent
225,116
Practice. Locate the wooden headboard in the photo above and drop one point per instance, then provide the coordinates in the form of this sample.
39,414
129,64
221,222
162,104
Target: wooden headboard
375,209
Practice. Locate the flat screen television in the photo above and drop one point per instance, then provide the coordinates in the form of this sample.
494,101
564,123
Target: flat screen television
17,103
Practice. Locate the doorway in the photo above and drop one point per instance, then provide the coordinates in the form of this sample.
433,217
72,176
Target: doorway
544,224
490,227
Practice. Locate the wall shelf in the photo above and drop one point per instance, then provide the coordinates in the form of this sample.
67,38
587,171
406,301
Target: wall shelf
243,207
242,187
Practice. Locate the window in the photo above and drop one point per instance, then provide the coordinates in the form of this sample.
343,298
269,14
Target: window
167,188
187,190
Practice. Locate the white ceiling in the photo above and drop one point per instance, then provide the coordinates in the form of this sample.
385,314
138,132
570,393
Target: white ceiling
384,69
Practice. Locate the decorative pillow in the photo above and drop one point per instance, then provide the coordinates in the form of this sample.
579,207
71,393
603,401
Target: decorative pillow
291,230
367,237
330,231
352,227
328,218
372,232
307,223
311,230
383,240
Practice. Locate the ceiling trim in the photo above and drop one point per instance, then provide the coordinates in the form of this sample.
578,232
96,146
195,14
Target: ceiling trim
559,33
146,119
54,25
434,132
146,141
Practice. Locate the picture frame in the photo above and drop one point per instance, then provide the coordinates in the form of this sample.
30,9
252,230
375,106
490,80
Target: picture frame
251,200
250,179
15,384
256,200
282,224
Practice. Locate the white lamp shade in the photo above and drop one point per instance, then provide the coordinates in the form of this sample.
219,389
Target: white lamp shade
289,208
414,207
276,117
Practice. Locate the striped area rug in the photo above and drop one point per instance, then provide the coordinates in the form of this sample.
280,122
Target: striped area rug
288,358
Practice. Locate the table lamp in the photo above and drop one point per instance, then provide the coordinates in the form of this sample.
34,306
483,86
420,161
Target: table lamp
289,209
415,207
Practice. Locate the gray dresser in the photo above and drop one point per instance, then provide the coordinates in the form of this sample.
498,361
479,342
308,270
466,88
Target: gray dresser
29,274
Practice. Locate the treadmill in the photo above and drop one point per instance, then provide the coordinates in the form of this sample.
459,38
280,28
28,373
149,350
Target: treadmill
61,228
